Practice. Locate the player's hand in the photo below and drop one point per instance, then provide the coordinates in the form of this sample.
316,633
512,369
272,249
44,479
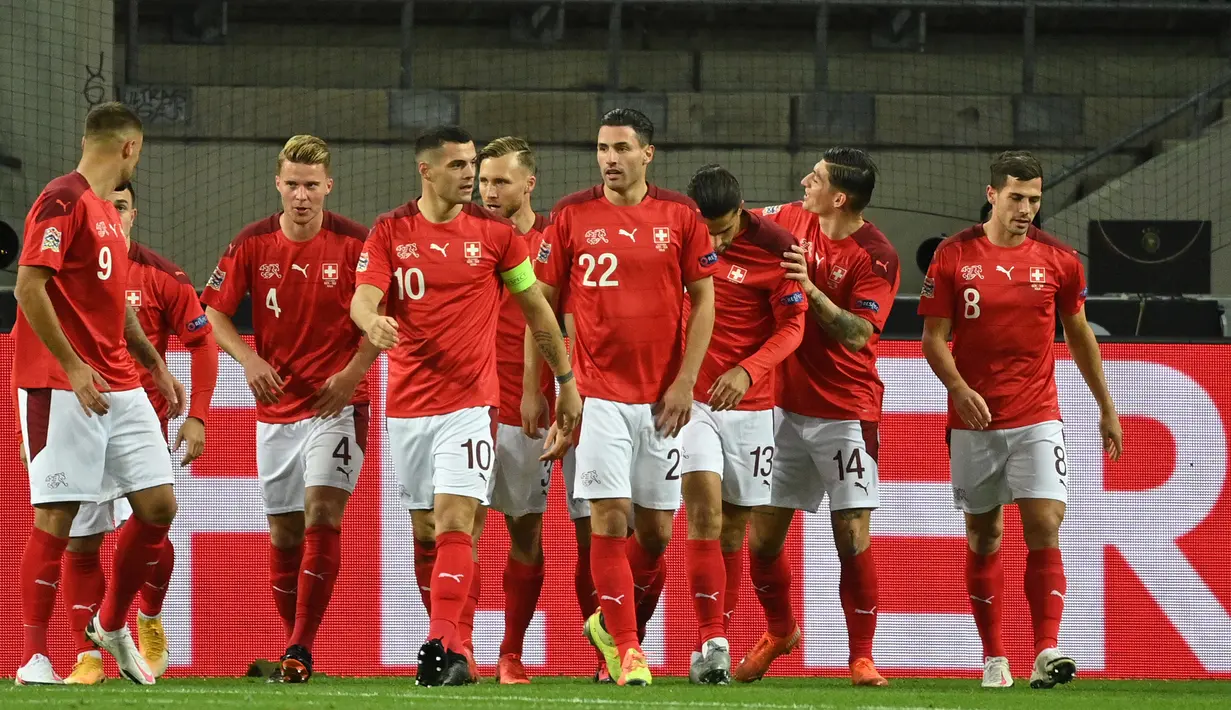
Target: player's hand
533,413
729,390
171,390
192,433
338,392
88,385
556,445
971,408
568,407
795,262
383,332
1113,437
263,380
674,410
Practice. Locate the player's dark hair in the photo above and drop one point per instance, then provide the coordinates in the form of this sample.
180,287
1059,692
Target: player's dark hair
1018,164
110,120
851,172
131,190
632,118
715,190
437,137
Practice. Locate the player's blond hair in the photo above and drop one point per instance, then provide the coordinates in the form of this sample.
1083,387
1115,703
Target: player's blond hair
110,121
305,150
509,145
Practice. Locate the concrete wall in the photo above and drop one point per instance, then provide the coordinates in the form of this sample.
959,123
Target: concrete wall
55,63
195,197
368,67
1191,181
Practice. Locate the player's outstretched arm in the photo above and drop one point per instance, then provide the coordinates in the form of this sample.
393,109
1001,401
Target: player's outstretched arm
544,329
144,352
675,408
381,330
533,403
263,380
35,304
841,325
1085,351
968,403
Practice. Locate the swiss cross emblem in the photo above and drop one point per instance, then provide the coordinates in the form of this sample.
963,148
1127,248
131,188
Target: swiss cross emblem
473,251
662,238
329,274
836,275
737,274
1038,275
133,296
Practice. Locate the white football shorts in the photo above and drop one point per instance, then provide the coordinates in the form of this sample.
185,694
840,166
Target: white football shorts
622,455
737,445
996,467
444,453
310,452
824,457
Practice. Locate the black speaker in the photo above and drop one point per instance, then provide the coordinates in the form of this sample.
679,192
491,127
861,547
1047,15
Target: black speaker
1159,257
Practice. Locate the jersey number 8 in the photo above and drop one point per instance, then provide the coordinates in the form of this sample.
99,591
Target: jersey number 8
971,298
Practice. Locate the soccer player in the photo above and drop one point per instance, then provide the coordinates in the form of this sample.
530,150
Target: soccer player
997,288
442,262
829,406
307,375
90,434
520,481
628,251
729,444
166,303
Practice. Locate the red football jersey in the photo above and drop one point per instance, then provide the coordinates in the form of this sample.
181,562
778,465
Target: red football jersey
301,294
166,303
443,286
1003,302
860,274
759,313
626,268
511,340
77,234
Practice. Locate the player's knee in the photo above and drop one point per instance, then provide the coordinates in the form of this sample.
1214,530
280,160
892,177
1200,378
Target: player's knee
609,518
55,518
768,530
1041,528
86,545
851,532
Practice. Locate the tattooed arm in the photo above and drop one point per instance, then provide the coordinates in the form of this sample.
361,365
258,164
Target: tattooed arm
843,326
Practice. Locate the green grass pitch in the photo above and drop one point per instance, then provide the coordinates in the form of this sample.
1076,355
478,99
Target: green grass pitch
774,694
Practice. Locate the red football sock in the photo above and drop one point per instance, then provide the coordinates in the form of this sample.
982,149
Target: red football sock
649,578
322,558
708,577
771,577
857,589
138,545
40,577
154,591
522,585
614,582
465,625
1045,590
583,582
84,586
734,564
425,561
284,582
451,581
985,584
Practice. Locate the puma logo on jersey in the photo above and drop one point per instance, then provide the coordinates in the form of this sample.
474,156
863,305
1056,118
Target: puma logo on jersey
631,235
1007,272
712,597
440,249
301,269
455,577
344,472
883,264
618,600
982,601
63,205
864,486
